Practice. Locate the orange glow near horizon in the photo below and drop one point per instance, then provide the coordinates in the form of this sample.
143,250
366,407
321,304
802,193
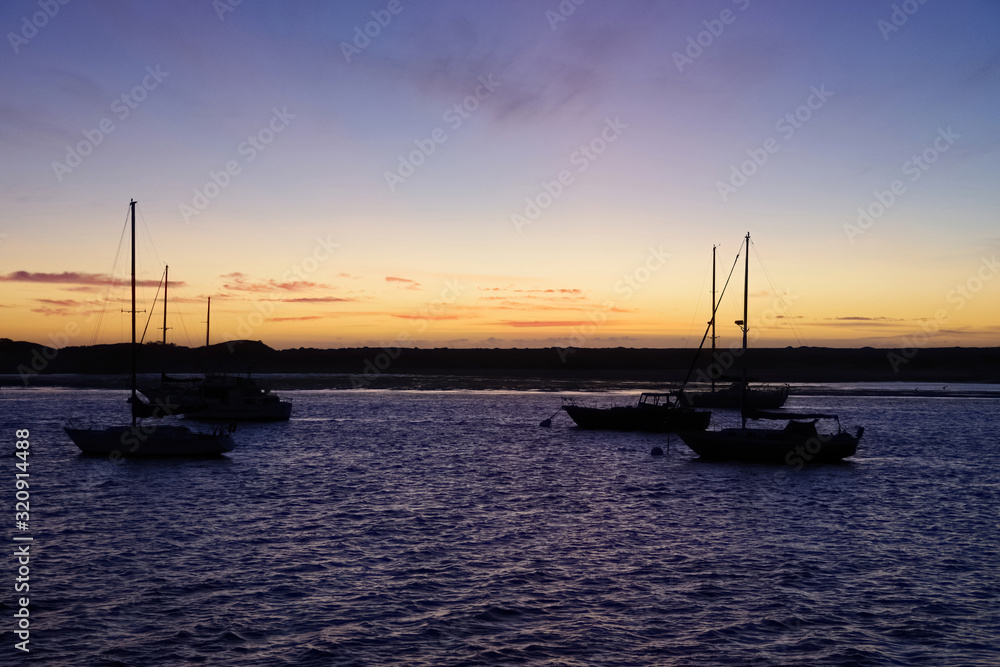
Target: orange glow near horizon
648,306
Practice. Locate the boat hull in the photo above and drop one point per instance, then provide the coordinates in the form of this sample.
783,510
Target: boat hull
220,399
759,399
178,398
227,413
633,418
150,442
770,446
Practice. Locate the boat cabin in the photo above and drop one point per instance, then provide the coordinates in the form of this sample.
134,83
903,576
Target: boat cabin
651,400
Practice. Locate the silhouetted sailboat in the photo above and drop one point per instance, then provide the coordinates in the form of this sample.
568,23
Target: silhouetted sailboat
796,444
654,412
222,398
139,440
738,393
216,397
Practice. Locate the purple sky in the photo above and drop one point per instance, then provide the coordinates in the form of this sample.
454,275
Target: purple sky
247,135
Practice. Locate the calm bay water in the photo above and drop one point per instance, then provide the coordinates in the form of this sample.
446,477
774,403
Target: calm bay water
447,528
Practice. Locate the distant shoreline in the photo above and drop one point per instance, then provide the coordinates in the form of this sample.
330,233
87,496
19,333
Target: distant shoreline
28,363
283,382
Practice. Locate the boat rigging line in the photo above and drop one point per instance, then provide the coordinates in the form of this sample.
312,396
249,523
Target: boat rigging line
152,310
697,306
779,302
694,362
109,284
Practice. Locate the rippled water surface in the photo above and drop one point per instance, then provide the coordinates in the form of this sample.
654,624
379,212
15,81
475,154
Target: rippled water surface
447,528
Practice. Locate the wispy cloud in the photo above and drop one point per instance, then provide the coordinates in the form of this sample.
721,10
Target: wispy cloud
542,71
76,278
240,282
427,317
63,307
404,283
531,291
864,322
542,323
537,300
27,126
512,304
316,299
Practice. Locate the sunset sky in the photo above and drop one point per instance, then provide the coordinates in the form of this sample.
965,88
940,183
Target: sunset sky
503,173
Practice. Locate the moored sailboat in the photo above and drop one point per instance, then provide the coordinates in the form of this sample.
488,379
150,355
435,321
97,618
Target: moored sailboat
735,394
216,397
797,444
739,393
655,412
222,398
143,440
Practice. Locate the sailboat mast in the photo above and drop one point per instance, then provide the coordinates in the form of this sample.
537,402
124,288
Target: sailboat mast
746,327
746,290
208,321
166,283
713,313
134,351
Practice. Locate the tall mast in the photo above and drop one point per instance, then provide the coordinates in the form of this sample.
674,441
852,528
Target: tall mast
745,325
166,284
208,321
132,209
713,313
746,291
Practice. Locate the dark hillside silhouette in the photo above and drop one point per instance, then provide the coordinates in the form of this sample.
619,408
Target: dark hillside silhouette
801,364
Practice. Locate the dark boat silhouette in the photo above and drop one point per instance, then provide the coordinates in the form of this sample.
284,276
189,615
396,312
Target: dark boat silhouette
147,440
737,394
222,398
796,444
654,412
216,397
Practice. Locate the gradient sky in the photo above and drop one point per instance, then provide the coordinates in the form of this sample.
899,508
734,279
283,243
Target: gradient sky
310,243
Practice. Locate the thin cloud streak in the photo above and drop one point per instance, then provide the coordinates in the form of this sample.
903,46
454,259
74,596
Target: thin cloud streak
75,278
